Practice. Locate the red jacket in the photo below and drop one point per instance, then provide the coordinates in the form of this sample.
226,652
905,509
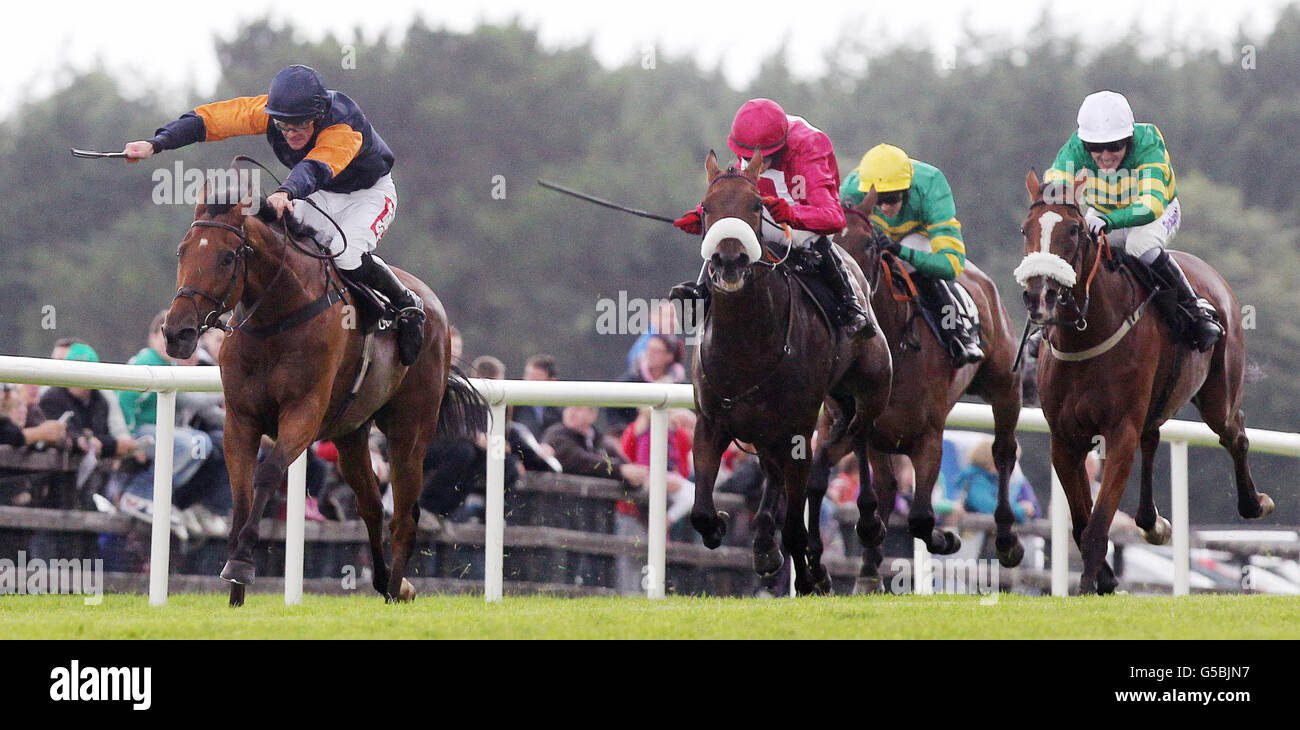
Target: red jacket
806,165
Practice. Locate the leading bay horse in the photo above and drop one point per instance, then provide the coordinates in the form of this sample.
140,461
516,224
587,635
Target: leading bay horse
1107,369
927,385
766,361
288,371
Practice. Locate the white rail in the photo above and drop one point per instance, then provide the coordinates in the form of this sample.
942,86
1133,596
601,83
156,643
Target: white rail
167,381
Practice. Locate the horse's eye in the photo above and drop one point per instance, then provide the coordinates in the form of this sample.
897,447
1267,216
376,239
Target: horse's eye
758,205
1074,229
227,258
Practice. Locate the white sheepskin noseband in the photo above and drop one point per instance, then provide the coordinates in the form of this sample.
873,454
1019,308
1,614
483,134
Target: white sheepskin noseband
730,228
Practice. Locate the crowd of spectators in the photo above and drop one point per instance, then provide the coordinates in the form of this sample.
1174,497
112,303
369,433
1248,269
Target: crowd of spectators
116,430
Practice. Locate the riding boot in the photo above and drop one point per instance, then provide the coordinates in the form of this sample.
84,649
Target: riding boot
375,274
1205,328
958,331
692,289
851,315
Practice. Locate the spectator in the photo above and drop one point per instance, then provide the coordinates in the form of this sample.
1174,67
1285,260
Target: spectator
116,422
455,469
538,418
663,320
19,426
198,464
581,450
88,423
977,486
660,363
636,448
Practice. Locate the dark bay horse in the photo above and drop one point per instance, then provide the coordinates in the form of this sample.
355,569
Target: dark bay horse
765,363
288,371
1111,367
927,384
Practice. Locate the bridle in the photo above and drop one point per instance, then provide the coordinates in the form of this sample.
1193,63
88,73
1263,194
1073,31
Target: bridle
1083,238
221,304
769,259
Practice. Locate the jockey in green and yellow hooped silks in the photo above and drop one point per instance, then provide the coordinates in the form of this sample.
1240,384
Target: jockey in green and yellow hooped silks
1132,196
916,213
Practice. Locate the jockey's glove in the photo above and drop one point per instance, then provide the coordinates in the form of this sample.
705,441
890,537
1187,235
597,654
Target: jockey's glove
1097,224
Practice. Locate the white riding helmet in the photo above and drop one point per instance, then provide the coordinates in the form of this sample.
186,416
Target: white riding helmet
1105,117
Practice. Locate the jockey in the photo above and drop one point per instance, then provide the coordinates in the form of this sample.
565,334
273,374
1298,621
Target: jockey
918,218
799,184
1131,195
337,160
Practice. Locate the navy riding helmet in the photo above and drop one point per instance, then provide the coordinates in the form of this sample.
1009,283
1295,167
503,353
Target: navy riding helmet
297,92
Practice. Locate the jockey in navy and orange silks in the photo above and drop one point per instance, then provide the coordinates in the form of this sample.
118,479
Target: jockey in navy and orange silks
336,158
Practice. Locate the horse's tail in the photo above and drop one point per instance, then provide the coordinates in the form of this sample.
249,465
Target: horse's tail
464,411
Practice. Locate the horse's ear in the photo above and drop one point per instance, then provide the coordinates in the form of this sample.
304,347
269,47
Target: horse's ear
711,169
869,201
1080,183
755,166
1032,185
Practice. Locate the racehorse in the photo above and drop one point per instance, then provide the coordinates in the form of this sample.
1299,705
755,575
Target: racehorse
298,368
766,361
1109,370
927,387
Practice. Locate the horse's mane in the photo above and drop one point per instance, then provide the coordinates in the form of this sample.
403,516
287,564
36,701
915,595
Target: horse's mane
266,214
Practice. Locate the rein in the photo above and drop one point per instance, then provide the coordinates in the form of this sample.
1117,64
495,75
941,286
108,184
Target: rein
728,402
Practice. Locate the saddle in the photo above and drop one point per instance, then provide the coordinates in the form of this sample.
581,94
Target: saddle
1163,297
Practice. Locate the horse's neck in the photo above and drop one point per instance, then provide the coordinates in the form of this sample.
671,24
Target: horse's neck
1113,298
756,313
277,292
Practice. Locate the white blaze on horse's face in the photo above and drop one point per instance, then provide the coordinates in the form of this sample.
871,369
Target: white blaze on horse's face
1043,262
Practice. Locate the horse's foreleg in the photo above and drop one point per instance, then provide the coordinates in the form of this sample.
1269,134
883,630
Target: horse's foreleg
1155,528
240,443
818,483
920,519
296,430
1120,447
355,466
768,558
876,493
710,442
1068,463
794,534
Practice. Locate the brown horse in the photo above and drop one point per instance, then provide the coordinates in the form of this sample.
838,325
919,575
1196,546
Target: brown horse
1109,370
288,372
765,362
927,387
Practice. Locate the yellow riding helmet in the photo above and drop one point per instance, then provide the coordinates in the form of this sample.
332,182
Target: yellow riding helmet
885,166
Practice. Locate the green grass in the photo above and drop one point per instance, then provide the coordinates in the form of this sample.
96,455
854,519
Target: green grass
206,616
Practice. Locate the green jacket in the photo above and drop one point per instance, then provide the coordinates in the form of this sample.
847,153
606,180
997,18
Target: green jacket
141,409
930,211
1133,195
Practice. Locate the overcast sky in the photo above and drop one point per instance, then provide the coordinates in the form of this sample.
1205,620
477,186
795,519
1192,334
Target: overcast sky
171,46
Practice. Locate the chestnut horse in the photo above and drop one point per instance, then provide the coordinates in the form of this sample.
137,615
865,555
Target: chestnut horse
288,372
1114,369
765,363
927,387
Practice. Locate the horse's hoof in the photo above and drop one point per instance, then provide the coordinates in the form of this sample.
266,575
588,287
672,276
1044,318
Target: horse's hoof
824,587
951,544
866,585
1159,532
240,572
406,592
1087,587
1011,558
712,528
768,563
873,533
1266,505
236,595
1106,584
